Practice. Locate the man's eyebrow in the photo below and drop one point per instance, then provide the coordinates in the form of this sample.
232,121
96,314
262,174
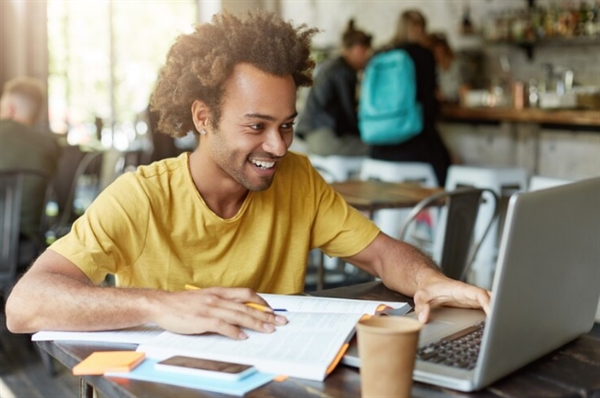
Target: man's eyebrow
267,117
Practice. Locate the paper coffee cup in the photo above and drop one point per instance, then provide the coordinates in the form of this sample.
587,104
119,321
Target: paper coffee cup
387,348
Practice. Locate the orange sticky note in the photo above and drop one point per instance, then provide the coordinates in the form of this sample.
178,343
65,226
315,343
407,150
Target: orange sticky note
101,362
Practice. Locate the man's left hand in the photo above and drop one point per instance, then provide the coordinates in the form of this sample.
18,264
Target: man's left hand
442,291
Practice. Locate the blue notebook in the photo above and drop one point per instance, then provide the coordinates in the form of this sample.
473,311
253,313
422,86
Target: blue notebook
146,372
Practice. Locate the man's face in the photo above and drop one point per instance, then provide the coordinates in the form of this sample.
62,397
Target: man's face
256,126
5,112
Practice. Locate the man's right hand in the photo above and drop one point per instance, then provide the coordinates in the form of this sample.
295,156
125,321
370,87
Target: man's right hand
56,295
214,310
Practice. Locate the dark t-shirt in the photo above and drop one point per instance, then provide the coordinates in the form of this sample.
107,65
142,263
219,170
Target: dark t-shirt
22,147
332,101
427,146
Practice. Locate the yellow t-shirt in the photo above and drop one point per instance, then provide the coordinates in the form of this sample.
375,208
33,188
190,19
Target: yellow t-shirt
151,228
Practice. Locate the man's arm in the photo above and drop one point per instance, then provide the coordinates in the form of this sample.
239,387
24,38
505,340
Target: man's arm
56,295
405,269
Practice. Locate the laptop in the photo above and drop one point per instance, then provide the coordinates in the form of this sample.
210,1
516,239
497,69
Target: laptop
545,292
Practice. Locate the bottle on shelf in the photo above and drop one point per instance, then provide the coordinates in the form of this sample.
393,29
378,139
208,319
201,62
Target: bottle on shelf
564,20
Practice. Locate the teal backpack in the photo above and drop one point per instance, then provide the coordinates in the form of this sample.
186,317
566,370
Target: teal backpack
388,111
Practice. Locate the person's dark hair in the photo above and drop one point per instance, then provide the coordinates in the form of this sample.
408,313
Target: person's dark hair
438,39
354,37
199,63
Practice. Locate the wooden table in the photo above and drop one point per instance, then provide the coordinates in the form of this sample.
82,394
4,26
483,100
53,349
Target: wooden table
569,371
372,195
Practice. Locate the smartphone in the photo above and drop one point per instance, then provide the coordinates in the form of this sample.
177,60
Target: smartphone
205,368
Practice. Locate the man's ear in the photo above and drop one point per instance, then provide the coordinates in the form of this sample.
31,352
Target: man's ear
200,115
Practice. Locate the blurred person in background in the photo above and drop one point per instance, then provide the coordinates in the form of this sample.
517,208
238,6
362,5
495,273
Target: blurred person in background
329,123
22,146
447,71
427,146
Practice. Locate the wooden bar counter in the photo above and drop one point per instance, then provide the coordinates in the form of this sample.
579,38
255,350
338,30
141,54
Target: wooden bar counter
527,115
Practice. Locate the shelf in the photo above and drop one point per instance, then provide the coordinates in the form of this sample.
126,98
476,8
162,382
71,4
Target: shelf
529,115
528,46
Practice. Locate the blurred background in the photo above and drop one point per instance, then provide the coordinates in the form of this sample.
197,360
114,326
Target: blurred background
100,60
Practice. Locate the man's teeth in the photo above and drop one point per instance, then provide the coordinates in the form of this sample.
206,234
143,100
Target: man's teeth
263,165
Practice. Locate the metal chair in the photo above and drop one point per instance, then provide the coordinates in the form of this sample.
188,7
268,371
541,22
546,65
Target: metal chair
389,220
504,181
83,186
341,168
11,195
455,244
537,182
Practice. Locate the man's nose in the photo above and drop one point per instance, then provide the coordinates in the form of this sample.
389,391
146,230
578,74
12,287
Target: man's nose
274,143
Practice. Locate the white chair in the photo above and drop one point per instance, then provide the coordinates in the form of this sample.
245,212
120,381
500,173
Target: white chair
389,221
333,168
341,168
504,181
538,182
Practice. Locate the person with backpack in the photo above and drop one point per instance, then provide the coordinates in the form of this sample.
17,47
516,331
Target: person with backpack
328,123
420,142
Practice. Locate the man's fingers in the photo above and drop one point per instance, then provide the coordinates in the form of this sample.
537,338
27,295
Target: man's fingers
244,316
424,313
224,328
466,296
220,310
240,295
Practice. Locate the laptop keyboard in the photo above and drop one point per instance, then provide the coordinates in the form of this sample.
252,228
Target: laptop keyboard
458,350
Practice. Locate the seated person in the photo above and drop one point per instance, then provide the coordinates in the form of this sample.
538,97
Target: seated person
236,216
23,147
329,123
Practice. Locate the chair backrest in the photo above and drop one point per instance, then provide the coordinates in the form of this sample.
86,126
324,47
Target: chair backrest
11,196
456,248
87,176
537,182
389,171
340,168
390,220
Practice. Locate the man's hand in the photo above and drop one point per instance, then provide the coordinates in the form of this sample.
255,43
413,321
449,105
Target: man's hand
217,310
56,295
439,290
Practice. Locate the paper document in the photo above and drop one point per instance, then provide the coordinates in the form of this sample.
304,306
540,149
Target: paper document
337,305
304,348
309,346
135,335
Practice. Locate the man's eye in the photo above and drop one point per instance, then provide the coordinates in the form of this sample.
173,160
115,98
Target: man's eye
256,127
287,126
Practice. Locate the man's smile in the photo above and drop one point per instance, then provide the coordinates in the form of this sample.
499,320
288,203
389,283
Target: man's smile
263,164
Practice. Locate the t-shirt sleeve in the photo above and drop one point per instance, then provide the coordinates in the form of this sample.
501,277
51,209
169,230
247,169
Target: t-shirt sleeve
111,233
338,229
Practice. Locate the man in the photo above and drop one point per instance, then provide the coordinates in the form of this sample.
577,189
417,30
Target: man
23,147
237,215
329,123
